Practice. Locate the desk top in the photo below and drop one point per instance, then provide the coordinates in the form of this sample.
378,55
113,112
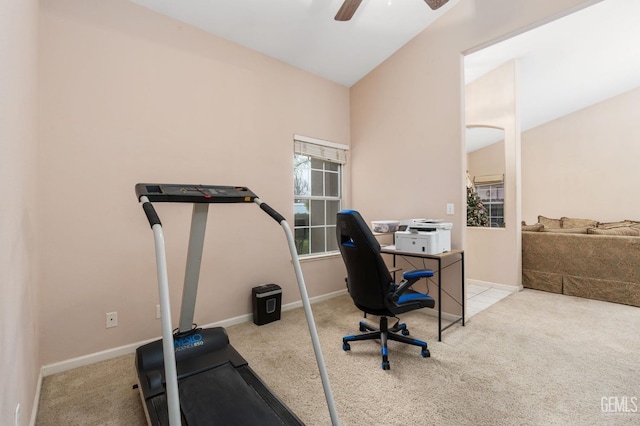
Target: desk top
392,250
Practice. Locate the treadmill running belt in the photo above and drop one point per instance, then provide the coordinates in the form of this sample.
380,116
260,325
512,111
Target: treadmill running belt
221,397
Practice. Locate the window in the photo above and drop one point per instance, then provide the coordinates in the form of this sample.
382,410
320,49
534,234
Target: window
492,196
317,194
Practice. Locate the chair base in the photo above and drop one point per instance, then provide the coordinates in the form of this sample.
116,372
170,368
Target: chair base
385,333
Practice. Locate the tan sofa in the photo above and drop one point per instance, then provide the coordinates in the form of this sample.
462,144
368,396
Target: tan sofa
601,264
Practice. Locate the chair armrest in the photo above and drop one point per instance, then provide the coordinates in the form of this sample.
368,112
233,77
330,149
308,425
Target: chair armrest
416,274
410,277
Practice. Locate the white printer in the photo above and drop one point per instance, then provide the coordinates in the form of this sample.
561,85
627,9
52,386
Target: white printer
428,236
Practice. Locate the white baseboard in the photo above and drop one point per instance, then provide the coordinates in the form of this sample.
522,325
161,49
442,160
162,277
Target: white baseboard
36,400
445,315
81,361
321,298
505,287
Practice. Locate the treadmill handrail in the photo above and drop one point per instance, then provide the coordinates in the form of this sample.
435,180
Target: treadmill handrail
170,369
208,195
313,332
152,216
269,210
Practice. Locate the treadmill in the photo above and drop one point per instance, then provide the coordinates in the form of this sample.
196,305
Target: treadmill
194,376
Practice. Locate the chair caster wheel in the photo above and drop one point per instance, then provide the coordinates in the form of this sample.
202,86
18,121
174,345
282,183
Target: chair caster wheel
362,328
405,332
385,365
425,353
346,346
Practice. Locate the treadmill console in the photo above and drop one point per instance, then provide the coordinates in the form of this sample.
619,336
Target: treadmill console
176,193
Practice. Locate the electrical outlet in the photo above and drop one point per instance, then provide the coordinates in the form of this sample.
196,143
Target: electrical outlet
112,319
17,416
158,312
450,209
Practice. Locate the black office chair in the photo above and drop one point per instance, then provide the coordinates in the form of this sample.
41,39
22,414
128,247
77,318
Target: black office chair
372,288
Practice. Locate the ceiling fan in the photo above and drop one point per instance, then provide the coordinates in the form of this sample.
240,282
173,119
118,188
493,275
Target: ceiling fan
349,7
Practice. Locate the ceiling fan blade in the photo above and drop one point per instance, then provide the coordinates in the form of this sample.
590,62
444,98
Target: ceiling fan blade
435,4
347,10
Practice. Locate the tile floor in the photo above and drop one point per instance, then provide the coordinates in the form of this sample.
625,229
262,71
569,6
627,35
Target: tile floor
480,297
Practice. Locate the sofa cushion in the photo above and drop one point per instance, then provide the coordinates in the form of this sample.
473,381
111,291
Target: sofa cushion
621,231
548,222
534,227
609,225
566,230
570,222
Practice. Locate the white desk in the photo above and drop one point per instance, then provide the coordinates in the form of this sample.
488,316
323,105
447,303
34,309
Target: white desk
438,258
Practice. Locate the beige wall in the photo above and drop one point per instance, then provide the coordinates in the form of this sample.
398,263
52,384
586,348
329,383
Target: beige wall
493,254
584,164
19,364
128,96
407,115
131,96
486,161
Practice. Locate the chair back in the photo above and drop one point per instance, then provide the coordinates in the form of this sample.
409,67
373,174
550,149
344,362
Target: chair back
368,278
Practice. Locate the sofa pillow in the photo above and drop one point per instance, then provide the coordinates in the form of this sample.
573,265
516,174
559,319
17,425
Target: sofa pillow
549,223
535,227
566,230
620,231
570,222
610,225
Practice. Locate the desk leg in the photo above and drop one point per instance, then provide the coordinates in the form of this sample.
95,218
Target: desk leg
463,280
439,300
462,301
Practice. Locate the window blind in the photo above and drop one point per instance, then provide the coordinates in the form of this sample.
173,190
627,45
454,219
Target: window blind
488,179
322,150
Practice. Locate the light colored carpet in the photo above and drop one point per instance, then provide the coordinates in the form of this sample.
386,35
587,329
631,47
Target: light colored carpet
534,358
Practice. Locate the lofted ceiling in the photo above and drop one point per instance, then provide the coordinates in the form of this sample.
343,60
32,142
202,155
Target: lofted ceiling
565,65
570,63
303,33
